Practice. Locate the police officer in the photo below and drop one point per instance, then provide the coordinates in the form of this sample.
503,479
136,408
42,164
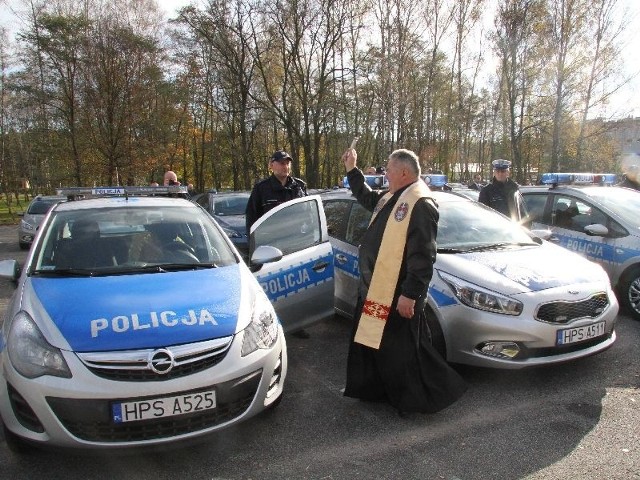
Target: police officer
280,187
502,194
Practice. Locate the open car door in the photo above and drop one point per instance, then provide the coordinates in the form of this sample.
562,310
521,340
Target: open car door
300,284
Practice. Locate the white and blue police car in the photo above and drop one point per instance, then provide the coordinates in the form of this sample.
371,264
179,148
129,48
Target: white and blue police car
587,214
500,296
135,321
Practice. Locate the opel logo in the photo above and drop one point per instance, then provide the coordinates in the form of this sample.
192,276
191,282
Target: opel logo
161,361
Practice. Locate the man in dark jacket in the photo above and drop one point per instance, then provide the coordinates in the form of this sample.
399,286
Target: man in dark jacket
390,356
278,188
502,194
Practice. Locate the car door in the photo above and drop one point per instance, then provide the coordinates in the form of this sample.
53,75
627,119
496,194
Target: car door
301,284
347,220
567,216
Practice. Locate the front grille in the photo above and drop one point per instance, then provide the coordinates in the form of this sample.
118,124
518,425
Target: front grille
562,349
90,419
565,312
135,365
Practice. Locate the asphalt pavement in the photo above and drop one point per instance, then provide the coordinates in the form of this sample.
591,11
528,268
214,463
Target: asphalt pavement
579,420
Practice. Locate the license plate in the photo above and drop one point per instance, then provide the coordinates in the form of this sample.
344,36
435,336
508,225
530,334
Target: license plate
579,334
163,407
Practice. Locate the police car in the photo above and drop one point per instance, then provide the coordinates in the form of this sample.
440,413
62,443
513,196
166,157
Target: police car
135,321
492,302
588,215
376,182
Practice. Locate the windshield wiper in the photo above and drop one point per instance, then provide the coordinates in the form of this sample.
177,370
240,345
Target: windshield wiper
66,272
496,246
126,270
450,250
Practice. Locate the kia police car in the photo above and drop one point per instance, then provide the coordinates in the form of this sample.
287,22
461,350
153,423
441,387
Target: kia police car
136,322
589,216
500,296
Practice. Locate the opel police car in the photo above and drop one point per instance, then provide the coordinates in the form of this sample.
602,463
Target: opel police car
499,296
588,215
135,321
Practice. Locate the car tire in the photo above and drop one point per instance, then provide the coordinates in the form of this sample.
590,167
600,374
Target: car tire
436,336
24,246
629,292
16,444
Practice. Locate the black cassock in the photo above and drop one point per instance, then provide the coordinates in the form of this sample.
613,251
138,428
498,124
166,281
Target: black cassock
406,370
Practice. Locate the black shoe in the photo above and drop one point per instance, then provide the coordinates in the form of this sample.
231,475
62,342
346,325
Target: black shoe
301,334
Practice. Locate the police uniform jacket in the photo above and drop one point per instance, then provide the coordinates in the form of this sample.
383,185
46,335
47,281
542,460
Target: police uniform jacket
501,196
270,193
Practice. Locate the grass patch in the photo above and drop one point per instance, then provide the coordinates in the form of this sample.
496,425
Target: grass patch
11,207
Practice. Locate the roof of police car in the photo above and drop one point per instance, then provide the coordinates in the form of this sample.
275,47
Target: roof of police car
79,200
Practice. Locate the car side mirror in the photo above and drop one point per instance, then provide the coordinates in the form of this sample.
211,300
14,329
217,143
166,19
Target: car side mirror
10,269
264,254
543,233
596,229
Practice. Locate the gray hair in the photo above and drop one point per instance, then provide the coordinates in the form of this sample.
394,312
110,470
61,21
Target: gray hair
408,158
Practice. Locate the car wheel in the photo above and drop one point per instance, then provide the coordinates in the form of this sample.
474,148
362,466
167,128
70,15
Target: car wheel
24,246
15,443
434,332
629,292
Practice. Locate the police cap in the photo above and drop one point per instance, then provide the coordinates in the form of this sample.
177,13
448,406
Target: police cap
501,164
280,156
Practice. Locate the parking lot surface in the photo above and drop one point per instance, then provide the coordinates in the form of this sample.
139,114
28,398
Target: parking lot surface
576,420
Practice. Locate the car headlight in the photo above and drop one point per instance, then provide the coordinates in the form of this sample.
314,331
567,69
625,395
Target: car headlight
262,332
477,297
30,353
26,225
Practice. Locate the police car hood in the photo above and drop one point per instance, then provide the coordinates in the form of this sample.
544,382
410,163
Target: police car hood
522,269
142,311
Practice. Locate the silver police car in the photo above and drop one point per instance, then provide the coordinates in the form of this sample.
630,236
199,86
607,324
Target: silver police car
598,221
135,321
500,296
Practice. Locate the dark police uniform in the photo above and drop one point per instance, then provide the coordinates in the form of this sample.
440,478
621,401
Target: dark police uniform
270,193
502,196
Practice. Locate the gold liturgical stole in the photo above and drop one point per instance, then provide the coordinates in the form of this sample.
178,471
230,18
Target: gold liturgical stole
377,305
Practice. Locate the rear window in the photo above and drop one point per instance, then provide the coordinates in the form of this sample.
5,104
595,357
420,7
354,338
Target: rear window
40,207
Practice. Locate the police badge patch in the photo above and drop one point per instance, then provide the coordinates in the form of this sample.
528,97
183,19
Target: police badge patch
401,212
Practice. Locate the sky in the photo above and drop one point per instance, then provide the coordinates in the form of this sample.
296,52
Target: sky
626,102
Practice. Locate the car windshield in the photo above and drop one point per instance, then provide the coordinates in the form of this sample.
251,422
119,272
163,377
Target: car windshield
467,225
40,207
112,241
231,205
624,202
